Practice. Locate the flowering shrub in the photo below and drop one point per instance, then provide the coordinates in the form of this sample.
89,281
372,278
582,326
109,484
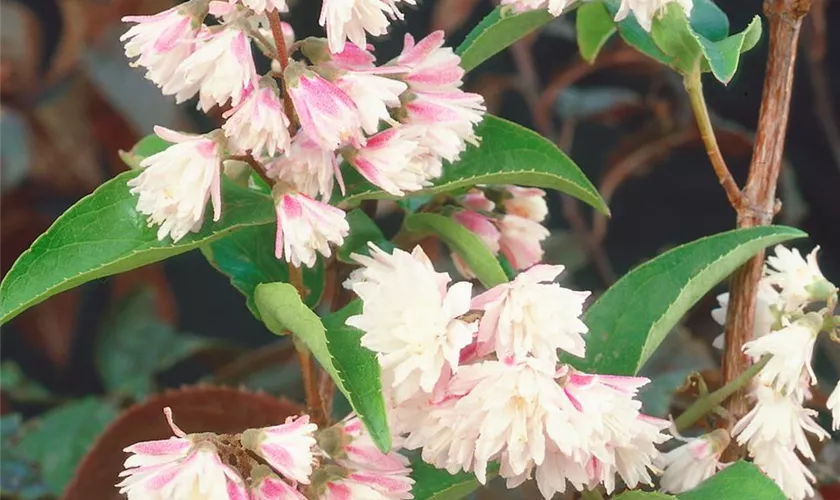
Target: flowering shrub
453,380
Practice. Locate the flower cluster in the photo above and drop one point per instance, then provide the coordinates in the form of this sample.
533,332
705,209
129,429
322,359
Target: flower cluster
395,123
476,379
794,301
643,10
291,461
513,226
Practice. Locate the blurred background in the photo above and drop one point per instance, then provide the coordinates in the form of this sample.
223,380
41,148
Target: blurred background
70,102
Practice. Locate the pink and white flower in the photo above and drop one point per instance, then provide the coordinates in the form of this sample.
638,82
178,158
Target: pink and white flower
689,464
162,42
258,123
387,160
416,336
326,112
306,227
521,241
532,316
645,10
431,66
287,447
350,19
175,184
448,119
183,467
484,228
265,485
792,348
528,203
371,474
373,95
222,68
309,168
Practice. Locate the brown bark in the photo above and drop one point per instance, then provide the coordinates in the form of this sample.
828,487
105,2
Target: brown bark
758,203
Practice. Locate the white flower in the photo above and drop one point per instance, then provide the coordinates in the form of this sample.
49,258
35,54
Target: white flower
645,10
833,405
176,184
326,112
185,467
350,19
262,6
222,67
258,123
416,336
526,202
783,465
532,316
388,161
306,227
792,348
522,241
308,167
779,419
162,42
765,317
555,7
373,95
689,464
286,447
371,474
795,276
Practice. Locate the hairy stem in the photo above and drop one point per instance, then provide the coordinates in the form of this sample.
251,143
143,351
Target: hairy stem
283,58
255,165
694,87
759,196
707,403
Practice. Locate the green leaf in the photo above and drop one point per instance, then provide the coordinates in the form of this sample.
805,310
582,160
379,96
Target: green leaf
722,57
462,241
437,484
595,26
498,31
282,312
63,436
135,344
362,230
689,51
629,321
147,146
103,234
708,20
739,480
360,372
247,258
508,154
644,495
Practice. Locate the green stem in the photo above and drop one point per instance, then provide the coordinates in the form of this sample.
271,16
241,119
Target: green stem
694,87
708,403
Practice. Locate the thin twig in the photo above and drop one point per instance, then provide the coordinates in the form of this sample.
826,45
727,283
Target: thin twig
823,102
759,196
283,57
694,88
